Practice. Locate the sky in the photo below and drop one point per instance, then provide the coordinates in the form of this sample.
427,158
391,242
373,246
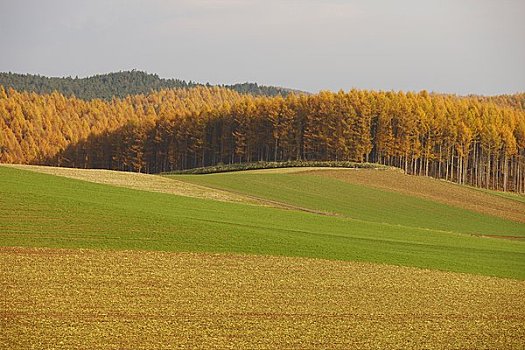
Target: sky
452,46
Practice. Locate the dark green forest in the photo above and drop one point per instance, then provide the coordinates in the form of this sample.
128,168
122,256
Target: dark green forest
119,84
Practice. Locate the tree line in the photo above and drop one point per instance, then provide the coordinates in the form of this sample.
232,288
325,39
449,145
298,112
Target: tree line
468,140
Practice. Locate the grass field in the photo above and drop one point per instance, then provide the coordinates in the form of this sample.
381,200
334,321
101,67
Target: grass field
138,181
47,211
501,204
130,261
357,201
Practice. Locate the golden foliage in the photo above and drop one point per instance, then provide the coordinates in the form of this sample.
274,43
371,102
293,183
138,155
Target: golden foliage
466,140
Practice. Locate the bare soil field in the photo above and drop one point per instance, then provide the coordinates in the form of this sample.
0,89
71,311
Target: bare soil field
430,188
84,299
144,182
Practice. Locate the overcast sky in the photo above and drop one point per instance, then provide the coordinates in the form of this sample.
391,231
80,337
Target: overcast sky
456,46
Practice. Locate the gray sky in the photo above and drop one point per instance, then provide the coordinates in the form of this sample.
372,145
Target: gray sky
457,46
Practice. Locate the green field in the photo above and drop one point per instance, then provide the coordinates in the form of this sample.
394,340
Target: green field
376,226
358,202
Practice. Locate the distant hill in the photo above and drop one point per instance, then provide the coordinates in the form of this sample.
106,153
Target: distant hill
118,84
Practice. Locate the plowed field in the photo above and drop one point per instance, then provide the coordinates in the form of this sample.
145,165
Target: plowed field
85,299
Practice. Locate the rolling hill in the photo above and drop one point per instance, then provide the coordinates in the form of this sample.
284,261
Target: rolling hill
326,219
354,201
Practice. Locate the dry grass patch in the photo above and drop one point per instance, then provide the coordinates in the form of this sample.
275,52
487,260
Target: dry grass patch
433,189
67,299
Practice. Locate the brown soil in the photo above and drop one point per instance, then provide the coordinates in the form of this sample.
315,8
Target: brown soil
82,299
433,189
